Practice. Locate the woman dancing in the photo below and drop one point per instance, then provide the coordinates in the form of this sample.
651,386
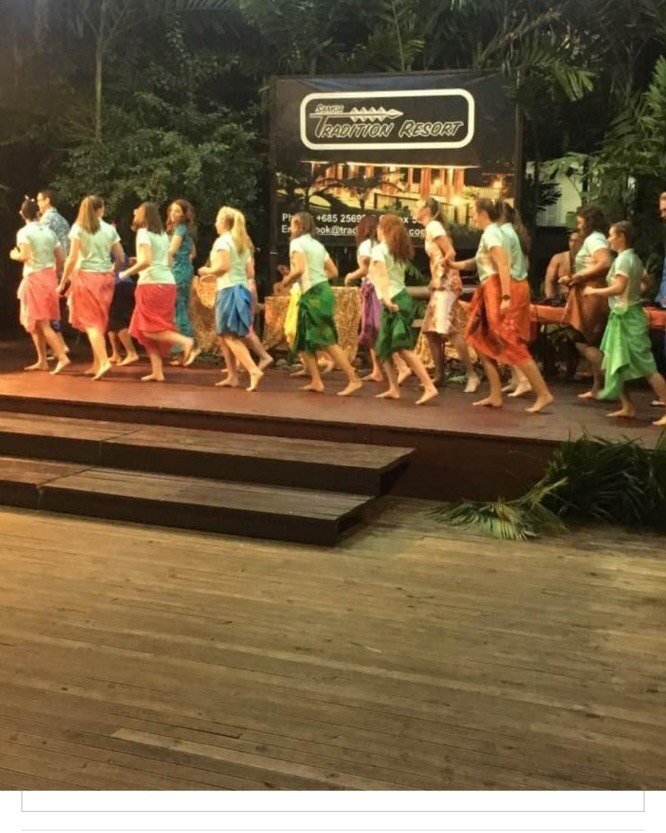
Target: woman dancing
152,321
588,313
182,230
443,312
120,315
389,260
232,264
312,267
37,248
371,308
626,348
497,311
89,269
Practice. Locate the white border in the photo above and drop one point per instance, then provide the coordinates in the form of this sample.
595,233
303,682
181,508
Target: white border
392,94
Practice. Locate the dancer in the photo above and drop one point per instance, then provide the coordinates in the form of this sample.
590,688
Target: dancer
50,217
152,321
497,310
182,231
371,308
120,315
443,312
232,264
561,265
627,353
37,248
587,314
89,270
312,267
389,260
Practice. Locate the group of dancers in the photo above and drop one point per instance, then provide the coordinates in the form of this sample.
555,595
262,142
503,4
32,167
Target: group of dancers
90,268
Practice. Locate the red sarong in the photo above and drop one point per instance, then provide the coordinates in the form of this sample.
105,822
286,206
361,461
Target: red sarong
500,337
154,311
89,299
39,298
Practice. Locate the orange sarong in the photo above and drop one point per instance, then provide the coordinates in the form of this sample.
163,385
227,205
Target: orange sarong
503,338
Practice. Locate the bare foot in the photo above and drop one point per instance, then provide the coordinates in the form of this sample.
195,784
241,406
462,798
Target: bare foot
62,364
37,366
508,388
326,368
229,382
521,389
91,371
314,387
391,393
372,377
131,358
623,413
473,382
660,422
191,355
352,387
151,377
488,402
540,403
103,369
114,358
299,374
657,403
428,394
590,394
404,375
177,362
264,363
255,378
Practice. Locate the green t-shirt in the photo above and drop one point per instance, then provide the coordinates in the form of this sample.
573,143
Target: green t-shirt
517,259
395,268
592,243
315,258
42,242
626,263
237,274
490,239
95,248
158,271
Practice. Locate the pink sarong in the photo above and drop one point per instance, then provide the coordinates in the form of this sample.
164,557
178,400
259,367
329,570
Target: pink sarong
154,311
89,299
39,298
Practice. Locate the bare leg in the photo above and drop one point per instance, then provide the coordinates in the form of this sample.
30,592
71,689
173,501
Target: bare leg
254,343
594,357
429,389
98,345
473,379
404,370
114,358
156,366
522,386
543,396
172,337
376,375
658,385
56,344
126,340
340,358
393,391
437,352
61,340
494,398
231,380
243,357
310,364
40,348
628,411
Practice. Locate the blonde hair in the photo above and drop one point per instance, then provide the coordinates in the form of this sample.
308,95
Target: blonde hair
234,220
87,217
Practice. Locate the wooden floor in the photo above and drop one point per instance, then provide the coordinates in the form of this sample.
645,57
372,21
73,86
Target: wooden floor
411,656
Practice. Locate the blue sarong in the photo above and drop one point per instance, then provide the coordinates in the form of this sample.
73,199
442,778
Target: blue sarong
233,311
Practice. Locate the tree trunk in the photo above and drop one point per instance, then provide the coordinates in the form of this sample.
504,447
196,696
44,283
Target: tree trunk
99,68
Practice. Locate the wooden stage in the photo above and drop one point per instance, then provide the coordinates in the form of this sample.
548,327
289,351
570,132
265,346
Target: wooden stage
460,451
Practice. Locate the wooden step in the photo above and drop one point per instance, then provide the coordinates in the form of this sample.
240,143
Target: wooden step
251,510
250,458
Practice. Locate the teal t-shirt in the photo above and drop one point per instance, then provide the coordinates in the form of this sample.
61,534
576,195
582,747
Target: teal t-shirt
490,239
237,274
182,256
158,271
95,248
42,242
315,257
592,243
626,263
395,268
517,259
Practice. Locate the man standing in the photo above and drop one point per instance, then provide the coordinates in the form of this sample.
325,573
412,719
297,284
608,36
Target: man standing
51,217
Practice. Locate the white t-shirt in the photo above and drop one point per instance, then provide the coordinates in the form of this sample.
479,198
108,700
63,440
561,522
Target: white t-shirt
433,230
315,257
95,248
592,243
364,250
42,242
395,268
158,271
491,237
237,274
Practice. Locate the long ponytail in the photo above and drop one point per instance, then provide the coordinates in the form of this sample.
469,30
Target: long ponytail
234,220
87,217
512,215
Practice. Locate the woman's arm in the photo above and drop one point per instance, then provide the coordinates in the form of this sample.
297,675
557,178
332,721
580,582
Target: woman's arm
462,265
501,261
118,256
552,275
445,246
220,264
70,263
297,263
175,244
601,261
618,287
330,269
380,279
144,260
59,259
358,274
21,253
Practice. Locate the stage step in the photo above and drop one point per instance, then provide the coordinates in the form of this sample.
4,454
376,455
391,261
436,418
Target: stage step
251,510
248,458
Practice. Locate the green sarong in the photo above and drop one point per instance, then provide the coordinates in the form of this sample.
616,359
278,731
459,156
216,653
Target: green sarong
316,328
395,328
626,348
